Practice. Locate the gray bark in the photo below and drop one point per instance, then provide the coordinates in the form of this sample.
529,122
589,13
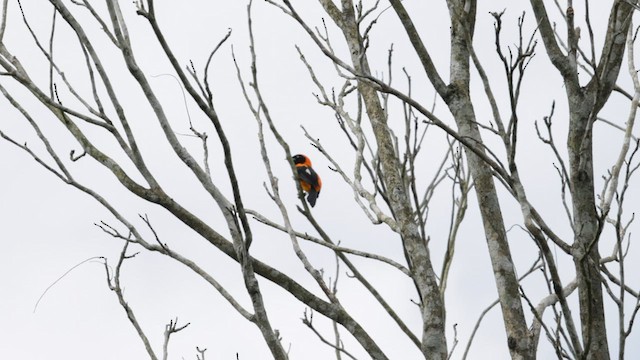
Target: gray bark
584,105
434,345
456,95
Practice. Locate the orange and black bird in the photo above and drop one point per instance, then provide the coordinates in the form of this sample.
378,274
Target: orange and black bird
309,179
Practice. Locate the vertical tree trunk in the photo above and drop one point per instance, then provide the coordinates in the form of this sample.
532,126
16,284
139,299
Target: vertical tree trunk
459,102
587,229
518,339
584,105
434,344
456,95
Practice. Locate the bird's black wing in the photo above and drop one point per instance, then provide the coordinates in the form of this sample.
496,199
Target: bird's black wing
308,175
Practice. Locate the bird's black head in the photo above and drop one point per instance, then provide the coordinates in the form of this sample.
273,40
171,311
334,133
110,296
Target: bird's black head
299,159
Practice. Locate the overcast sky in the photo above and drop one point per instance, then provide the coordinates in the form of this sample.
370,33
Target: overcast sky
47,227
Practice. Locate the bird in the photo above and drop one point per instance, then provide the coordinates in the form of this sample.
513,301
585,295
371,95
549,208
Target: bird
309,179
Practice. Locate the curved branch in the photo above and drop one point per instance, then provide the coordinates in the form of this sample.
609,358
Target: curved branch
557,57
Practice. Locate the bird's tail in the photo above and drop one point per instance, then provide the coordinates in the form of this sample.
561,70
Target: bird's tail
313,195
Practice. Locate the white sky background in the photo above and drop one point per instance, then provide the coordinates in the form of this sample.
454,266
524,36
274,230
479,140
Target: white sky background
47,227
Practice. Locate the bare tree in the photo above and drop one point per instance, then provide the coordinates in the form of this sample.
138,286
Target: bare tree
385,127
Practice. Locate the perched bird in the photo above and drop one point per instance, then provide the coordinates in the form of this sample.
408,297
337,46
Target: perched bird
309,179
